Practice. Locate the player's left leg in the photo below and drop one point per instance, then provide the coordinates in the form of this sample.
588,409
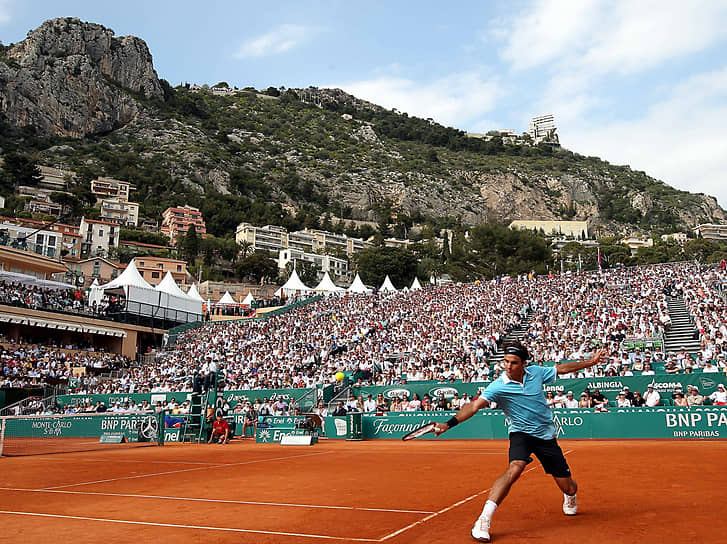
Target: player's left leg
554,463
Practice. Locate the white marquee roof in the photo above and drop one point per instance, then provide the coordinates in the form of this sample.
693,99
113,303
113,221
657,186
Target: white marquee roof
358,286
327,286
415,285
387,286
168,285
194,294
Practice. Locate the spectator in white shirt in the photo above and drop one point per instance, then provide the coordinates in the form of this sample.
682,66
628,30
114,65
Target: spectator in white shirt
719,397
570,402
369,404
652,397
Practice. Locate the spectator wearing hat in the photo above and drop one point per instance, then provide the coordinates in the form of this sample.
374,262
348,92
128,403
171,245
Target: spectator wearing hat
693,396
559,399
652,397
622,401
585,401
570,402
719,397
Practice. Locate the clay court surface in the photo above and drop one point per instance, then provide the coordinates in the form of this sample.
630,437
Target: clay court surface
374,491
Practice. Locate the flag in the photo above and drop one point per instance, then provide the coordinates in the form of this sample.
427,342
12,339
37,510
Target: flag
599,260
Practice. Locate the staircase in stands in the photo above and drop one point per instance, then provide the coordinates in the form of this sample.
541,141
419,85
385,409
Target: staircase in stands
682,333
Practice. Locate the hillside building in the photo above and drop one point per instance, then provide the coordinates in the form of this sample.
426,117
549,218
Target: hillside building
574,229
711,231
542,127
273,238
153,269
108,187
635,243
324,263
120,211
678,237
98,237
176,222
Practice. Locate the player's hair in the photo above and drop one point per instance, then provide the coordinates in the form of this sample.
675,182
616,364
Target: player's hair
514,347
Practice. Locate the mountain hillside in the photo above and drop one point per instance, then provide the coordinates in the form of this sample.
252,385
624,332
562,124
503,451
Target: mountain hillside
74,95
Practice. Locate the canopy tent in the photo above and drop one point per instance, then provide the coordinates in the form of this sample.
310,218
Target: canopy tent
327,286
129,277
168,285
248,300
143,299
358,286
226,300
172,298
415,285
294,285
194,294
387,286
25,279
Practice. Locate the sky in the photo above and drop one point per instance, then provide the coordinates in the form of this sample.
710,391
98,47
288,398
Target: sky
642,83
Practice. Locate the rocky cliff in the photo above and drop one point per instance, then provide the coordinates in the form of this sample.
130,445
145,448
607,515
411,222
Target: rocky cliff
247,157
70,78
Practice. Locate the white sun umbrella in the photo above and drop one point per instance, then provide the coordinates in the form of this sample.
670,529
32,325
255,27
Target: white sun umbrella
415,285
387,286
358,286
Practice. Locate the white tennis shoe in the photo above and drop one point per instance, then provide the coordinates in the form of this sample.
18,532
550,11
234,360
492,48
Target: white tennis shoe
481,530
570,505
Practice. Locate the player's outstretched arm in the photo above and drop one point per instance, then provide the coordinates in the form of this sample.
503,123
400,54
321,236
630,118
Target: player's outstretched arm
466,412
574,366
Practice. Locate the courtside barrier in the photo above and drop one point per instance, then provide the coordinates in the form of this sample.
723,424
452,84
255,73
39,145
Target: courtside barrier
623,423
663,383
232,397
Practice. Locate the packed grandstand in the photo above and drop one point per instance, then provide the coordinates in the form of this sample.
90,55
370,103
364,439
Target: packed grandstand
437,334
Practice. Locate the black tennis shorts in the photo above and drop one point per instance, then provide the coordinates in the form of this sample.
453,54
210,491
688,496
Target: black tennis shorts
548,453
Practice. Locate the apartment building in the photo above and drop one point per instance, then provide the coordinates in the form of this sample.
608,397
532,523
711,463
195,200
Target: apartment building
176,222
542,127
324,263
107,187
274,238
97,237
576,229
153,269
711,231
120,211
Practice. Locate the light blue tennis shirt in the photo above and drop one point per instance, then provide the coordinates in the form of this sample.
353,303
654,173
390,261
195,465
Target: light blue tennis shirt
524,403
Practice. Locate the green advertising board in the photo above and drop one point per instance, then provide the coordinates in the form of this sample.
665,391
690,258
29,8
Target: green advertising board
134,427
609,386
232,397
622,423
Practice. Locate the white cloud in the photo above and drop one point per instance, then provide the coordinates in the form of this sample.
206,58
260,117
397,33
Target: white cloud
280,39
5,9
603,36
453,100
679,140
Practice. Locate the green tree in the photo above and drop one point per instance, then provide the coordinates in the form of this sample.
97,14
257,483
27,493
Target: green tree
189,244
376,263
256,266
22,169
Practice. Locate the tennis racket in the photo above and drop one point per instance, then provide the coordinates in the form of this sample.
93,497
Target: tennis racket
420,431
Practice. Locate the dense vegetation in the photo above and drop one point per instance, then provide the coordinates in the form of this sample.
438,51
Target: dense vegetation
271,158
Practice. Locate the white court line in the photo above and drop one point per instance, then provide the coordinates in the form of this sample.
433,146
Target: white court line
224,501
176,526
448,508
187,470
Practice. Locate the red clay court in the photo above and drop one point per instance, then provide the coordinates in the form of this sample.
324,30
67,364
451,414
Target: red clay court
373,491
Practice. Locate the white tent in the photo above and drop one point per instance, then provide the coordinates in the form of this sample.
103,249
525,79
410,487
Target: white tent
226,300
387,286
129,277
415,285
358,286
143,299
194,294
248,300
294,285
327,286
174,300
168,285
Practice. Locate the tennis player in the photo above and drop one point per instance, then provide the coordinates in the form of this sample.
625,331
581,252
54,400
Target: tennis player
519,392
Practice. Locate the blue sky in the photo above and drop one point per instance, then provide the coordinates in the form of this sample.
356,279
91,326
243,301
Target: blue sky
634,82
